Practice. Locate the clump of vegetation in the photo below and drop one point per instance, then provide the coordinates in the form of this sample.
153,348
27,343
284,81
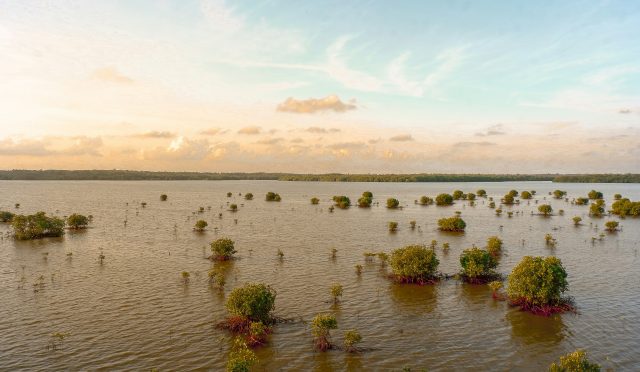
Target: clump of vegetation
342,201
444,199
458,194
241,358
508,199
611,225
414,264
412,224
481,193
222,249
163,197
495,287
549,240
321,325
280,254
392,203
595,195
248,196
454,223
185,277
536,285
425,200
393,226
200,225
582,201
597,209
577,220
336,292
617,196
526,195
77,221
233,207
272,196
359,269
477,266
315,201
574,362
559,194
36,226
471,196
351,338
216,278
625,207
545,209
6,216
252,302
365,200
494,246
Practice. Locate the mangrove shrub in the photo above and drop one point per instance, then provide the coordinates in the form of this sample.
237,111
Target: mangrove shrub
77,221
477,265
253,301
36,226
444,199
454,223
414,264
222,249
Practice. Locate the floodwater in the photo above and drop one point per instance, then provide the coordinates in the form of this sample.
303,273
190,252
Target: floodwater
133,312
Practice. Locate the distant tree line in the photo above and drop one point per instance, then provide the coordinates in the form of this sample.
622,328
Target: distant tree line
130,175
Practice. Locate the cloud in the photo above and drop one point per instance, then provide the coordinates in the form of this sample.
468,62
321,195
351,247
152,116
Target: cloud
10,147
250,130
296,140
469,144
314,105
322,130
494,130
373,141
269,141
112,75
401,138
155,134
212,132
624,111
347,145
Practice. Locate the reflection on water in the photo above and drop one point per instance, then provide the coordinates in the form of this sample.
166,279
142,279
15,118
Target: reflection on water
534,329
135,313
414,299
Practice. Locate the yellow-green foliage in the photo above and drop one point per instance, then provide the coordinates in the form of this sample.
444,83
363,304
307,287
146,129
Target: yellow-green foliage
254,301
494,245
336,291
454,223
477,263
545,209
6,216
597,209
538,280
241,358
444,199
322,324
415,262
425,200
611,225
201,225
574,362
36,226
393,226
625,207
223,248
351,338
392,203
526,195
315,200
272,196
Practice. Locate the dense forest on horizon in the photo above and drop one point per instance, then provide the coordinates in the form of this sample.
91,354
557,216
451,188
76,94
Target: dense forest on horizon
129,175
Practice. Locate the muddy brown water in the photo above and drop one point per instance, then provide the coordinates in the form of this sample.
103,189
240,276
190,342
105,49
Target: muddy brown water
134,313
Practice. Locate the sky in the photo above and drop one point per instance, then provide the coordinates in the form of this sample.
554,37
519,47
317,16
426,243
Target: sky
318,87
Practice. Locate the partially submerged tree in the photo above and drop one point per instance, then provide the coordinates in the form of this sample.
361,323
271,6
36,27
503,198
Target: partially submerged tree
457,195
414,264
392,203
163,197
625,207
77,221
494,246
526,195
200,225
233,207
321,325
315,200
545,209
252,302
241,358
425,200
444,199
559,194
248,196
477,266
574,362
611,225
536,284
37,226
508,199
577,220
481,193
222,249
272,196
351,338
597,209
342,201
393,226
365,200
6,216
336,292
594,195
454,223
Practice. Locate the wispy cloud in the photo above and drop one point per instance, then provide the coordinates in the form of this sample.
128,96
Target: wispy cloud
253,130
112,75
401,138
155,134
494,130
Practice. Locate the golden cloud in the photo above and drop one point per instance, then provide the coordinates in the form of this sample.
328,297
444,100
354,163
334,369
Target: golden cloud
315,105
112,75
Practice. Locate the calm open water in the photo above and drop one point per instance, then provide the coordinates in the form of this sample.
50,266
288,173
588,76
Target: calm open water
134,313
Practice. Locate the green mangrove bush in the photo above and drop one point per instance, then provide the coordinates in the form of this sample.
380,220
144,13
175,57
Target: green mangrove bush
455,223
477,266
36,226
444,199
414,264
222,249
